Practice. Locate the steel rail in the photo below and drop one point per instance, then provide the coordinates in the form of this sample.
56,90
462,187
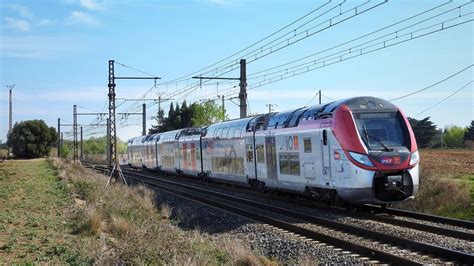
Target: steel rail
421,216
416,245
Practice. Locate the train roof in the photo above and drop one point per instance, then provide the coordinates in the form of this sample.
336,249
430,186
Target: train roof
285,119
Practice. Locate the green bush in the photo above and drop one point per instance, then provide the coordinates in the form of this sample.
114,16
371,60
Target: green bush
453,137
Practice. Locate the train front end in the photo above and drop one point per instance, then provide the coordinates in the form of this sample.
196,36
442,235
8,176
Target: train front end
381,150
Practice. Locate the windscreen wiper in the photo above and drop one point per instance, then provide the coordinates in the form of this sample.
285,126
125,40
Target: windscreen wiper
367,136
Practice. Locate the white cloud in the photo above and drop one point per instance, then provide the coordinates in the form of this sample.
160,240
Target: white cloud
22,11
34,47
17,24
83,18
91,4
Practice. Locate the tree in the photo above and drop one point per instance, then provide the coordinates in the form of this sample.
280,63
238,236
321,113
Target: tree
424,131
469,135
453,136
31,139
207,113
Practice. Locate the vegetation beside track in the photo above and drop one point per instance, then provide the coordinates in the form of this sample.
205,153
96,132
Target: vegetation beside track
447,184
55,212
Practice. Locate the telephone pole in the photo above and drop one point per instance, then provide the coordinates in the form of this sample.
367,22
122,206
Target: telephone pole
74,122
243,88
222,97
59,136
319,94
270,107
10,117
144,120
242,84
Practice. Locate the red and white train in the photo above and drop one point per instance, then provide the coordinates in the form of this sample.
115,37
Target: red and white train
361,150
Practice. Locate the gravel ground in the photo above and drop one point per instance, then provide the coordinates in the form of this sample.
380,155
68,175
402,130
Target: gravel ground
214,222
263,239
416,235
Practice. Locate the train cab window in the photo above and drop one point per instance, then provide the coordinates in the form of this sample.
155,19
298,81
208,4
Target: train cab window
260,154
249,153
307,145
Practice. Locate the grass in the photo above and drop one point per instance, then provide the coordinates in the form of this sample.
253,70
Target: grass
446,184
57,213
33,205
119,224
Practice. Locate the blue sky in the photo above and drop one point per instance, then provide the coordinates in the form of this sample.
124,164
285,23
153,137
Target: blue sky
56,54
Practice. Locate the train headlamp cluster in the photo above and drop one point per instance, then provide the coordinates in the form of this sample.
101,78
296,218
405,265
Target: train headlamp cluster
414,158
361,158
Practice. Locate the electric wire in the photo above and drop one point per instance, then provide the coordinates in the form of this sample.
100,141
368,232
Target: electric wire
434,84
446,98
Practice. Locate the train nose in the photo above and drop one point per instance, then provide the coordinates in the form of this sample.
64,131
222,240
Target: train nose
392,186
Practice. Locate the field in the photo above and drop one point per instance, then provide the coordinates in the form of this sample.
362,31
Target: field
52,212
447,184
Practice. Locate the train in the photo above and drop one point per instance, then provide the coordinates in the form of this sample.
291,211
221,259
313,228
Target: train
360,150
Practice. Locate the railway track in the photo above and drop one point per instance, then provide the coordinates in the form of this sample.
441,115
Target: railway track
255,210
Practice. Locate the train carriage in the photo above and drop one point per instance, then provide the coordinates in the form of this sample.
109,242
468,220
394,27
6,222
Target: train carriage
189,142
167,151
224,151
135,152
149,151
359,150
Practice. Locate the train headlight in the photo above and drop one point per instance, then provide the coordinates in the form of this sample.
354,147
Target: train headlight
414,158
361,158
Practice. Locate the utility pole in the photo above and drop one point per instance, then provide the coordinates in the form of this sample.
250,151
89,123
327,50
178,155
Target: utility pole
74,122
61,143
243,88
144,119
59,136
108,142
242,84
82,147
116,172
222,97
319,94
10,116
270,107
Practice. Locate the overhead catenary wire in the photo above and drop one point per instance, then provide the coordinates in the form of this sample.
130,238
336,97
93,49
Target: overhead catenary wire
445,98
357,12
338,57
357,51
434,84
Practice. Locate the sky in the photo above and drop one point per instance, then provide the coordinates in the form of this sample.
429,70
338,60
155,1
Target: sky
56,53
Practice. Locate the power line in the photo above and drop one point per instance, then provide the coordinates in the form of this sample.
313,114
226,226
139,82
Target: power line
293,33
434,84
444,99
357,50
138,70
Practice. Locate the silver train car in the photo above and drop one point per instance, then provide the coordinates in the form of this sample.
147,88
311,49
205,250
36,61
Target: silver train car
359,150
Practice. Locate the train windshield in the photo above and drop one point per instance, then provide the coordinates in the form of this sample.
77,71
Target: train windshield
382,130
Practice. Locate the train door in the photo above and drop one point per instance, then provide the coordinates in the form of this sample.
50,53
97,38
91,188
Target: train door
325,153
270,151
250,158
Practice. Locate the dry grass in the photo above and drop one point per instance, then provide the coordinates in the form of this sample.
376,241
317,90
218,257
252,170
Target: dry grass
122,225
446,184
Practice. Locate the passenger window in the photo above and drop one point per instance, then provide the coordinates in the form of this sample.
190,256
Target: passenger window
307,145
260,154
198,153
284,164
224,133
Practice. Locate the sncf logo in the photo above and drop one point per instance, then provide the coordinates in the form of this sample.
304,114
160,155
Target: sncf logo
390,160
337,155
